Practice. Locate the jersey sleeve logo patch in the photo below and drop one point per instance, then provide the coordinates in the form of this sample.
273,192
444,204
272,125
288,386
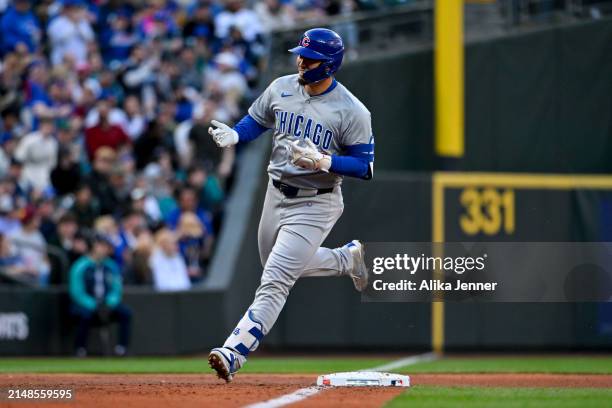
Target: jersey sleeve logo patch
285,94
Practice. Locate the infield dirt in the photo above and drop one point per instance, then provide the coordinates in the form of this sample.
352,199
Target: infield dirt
193,390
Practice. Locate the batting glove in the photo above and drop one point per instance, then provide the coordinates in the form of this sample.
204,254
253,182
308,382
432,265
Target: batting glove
223,135
309,157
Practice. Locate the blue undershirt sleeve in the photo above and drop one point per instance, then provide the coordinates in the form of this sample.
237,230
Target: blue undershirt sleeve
248,129
358,162
349,166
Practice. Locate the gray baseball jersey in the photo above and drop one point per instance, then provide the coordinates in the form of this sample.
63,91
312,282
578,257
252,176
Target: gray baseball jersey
333,121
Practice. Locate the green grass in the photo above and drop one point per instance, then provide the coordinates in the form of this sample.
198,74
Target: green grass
476,397
180,365
593,365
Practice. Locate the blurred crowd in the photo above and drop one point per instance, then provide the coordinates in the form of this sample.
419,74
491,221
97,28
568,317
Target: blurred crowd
104,111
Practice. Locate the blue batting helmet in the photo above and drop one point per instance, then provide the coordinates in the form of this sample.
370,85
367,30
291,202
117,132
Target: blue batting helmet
323,45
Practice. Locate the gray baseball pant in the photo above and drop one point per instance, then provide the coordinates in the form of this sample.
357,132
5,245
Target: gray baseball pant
291,231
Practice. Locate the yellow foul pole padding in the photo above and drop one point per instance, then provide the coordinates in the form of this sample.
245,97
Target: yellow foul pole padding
449,77
437,304
449,138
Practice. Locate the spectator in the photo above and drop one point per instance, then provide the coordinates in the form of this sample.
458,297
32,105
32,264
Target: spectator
194,245
85,207
145,203
21,188
140,271
218,104
207,186
274,15
114,114
38,153
104,133
45,99
157,23
160,188
10,127
68,239
249,54
135,121
119,186
236,15
168,266
96,292
100,180
138,73
19,29
45,207
227,79
189,202
12,70
9,213
107,226
31,246
152,143
70,34
5,161
11,263
191,70
181,138
201,24
66,176
69,137
132,224
86,99
111,90
119,39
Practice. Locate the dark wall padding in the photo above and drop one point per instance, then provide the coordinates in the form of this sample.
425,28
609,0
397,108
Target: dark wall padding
534,102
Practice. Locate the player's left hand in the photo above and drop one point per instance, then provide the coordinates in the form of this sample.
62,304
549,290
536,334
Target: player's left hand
309,157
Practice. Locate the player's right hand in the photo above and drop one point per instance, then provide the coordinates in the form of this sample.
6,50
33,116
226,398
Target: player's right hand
223,135
309,157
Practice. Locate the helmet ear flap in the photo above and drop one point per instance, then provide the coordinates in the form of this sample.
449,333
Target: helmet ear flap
319,73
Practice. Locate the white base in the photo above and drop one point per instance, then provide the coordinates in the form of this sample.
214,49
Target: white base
364,379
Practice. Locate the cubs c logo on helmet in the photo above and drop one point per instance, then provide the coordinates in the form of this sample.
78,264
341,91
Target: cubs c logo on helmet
305,41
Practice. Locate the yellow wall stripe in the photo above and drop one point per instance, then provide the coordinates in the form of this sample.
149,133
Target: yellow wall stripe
526,181
449,77
437,308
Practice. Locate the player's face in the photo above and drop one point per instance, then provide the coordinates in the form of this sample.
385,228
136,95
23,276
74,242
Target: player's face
303,65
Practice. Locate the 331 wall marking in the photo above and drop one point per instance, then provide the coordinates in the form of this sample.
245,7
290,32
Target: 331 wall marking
488,211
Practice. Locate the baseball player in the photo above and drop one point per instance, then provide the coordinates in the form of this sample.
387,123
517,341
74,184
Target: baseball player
321,133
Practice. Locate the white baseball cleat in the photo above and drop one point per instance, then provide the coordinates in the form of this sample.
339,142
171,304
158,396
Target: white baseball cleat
226,362
359,274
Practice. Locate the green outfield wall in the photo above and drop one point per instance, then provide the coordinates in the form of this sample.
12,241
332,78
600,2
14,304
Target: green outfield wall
327,313
539,101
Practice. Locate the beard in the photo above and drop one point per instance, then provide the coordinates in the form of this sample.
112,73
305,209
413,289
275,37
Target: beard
301,80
